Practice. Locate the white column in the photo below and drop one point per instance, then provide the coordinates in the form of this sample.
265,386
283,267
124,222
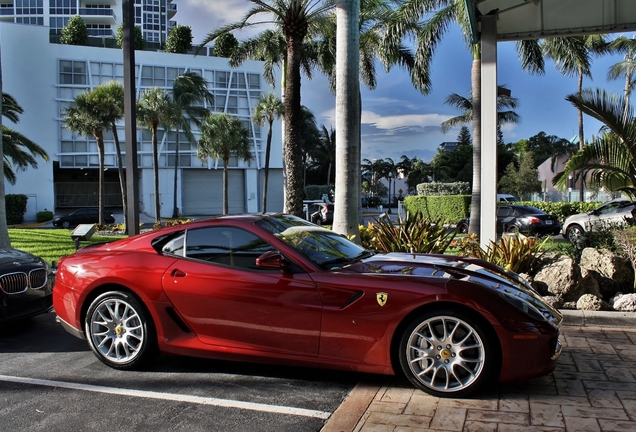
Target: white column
488,129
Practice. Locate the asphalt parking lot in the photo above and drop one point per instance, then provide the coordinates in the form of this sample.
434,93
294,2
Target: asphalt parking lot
49,380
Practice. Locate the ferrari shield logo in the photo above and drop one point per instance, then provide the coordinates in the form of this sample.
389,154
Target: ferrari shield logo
381,297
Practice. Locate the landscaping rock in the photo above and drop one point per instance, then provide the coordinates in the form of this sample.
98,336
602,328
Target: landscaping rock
564,279
612,272
625,302
553,301
591,302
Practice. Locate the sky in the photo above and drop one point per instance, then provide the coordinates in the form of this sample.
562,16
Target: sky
398,120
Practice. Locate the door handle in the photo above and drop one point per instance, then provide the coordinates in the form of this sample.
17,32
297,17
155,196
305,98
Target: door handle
177,273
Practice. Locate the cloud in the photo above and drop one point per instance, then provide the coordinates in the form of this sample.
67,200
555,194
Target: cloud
402,121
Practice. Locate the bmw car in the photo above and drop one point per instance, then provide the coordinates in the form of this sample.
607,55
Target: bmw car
275,288
88,215
26,284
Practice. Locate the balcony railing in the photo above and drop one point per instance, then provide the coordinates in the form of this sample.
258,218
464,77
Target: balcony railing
96,12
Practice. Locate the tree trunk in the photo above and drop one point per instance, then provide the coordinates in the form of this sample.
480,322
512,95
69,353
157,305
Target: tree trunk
5,242
120,171
155,169
292,146
475,202
225,197
347,199
99,137
268,150
175,209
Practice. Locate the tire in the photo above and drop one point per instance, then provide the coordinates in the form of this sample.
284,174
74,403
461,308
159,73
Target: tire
66,224
120,331
318,221
447,353
512,229
462,228
574,233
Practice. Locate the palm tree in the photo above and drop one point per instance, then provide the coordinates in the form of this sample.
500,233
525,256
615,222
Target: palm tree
189,93
110,97
18,151
608,160
268,108
625,68
441,14
224,136
293,18
327,150
310,136
86,116
572,57
5,242
505,115
154,109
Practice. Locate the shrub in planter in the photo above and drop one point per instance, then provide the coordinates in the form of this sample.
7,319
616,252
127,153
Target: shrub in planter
44,216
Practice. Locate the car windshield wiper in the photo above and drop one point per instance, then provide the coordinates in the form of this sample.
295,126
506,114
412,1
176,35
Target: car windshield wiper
365,254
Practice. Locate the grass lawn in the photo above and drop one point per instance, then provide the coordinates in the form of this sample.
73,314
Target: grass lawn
49,244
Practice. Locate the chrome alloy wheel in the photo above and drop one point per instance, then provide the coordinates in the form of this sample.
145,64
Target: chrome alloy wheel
445,354
116,330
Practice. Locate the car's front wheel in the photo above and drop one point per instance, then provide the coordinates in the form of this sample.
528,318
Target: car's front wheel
448,353
66,224
120,331
574,233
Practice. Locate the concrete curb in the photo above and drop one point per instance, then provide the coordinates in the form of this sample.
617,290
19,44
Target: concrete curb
598,318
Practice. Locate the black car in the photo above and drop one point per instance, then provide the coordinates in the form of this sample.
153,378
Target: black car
26,285
89,215
321,213
512,218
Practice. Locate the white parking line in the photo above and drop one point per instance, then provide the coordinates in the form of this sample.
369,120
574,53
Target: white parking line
172,397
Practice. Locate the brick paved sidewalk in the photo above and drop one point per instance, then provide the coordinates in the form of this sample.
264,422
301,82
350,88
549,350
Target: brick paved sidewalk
592,389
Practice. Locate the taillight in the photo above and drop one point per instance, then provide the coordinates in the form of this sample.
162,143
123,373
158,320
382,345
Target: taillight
324,210
533,220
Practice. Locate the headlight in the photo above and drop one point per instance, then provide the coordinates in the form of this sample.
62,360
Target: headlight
523,305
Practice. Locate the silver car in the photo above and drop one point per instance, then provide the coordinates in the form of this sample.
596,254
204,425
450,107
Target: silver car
610,213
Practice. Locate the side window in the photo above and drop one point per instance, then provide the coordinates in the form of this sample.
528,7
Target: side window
225,245
174,246
503,212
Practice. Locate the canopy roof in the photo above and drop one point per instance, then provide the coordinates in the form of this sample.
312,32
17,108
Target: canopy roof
535,19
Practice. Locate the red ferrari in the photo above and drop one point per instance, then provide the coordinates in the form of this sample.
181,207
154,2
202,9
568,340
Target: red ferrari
276,288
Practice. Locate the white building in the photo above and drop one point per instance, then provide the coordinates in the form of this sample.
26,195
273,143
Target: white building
44,77
102,17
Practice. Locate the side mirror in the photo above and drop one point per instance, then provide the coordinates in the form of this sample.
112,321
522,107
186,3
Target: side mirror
272,260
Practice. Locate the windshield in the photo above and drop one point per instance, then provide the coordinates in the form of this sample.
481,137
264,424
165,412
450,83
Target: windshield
325,248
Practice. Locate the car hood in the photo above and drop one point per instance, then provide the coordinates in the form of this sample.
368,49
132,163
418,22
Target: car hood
13,256
475,271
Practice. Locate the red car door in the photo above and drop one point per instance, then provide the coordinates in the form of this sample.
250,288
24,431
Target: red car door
227,301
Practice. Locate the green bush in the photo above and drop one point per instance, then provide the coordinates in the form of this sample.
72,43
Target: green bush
315,192
16,208
448,208
437,188
562,209
44,216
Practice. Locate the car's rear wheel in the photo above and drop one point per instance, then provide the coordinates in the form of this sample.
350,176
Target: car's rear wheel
120,331
574,233
447,353
512,229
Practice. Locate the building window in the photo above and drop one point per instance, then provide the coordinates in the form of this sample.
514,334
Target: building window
72,72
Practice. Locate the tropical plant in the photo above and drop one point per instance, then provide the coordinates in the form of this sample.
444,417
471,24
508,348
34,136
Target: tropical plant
293,18
608,161
439,15
326,151
19,151
179,39
189,93
140,42
268,108
518,253
74,32
572,57
625,68
310,135
5,242
87,117
412,233
224,136
110,97
154,109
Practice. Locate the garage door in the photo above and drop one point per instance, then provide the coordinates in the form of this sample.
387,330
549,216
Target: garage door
203,192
